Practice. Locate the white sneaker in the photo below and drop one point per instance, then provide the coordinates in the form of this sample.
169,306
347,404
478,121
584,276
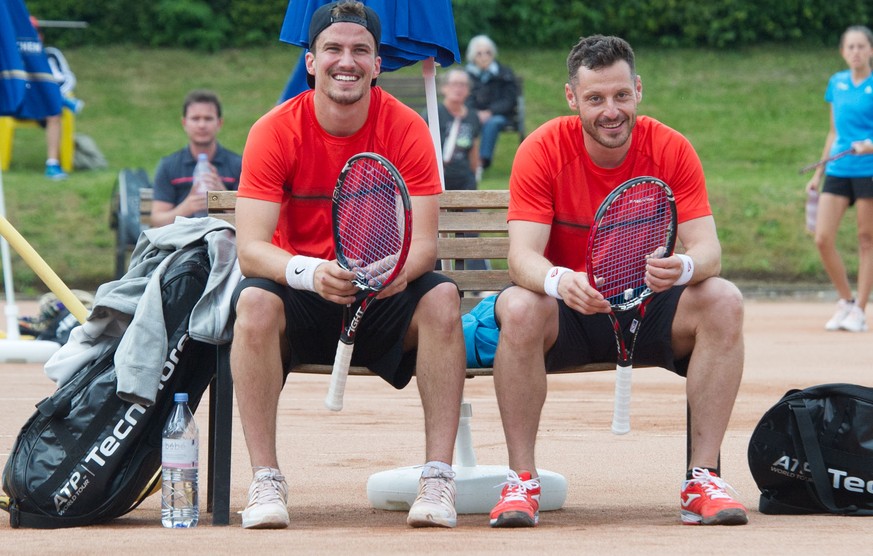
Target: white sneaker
843,309
268,501
435,504
855,321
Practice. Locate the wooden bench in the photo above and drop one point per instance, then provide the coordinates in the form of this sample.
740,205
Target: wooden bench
409,89
489,220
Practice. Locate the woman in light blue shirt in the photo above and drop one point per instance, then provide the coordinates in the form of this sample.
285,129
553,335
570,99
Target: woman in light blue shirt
848,180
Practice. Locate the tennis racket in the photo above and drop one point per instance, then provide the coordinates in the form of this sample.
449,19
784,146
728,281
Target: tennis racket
372,230
815,165
636,221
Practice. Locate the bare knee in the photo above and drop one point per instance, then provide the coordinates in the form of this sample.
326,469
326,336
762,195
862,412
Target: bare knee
526,316
440,310
719,305
258,311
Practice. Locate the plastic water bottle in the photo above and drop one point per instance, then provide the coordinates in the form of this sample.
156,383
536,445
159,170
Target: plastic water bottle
179,457
811,209
201,168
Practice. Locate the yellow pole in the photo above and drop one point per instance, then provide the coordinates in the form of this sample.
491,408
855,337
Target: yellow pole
48,276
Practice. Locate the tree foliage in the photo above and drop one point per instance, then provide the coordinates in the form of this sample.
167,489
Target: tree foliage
213,24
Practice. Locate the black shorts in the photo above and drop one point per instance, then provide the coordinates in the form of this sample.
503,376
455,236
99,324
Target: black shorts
853,188
586,339
313,327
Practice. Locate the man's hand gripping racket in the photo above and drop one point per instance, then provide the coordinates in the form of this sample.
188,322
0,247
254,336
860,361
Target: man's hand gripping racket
635,222
372,231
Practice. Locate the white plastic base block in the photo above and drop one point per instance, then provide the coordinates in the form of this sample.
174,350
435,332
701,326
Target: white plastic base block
26,351
477,488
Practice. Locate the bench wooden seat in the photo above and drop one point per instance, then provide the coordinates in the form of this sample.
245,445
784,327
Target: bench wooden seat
456,216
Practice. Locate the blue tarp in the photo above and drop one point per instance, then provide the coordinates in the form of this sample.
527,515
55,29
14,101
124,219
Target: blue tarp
28,90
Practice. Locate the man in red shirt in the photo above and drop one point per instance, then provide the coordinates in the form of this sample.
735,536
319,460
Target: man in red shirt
289,306
552,318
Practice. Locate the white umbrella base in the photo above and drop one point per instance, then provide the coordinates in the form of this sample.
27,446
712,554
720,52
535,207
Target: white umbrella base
26,351
477,488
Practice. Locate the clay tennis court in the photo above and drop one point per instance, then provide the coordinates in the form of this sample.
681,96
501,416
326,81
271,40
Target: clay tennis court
622,491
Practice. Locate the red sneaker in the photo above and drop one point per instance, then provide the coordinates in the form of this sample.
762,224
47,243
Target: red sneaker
705,501
519,503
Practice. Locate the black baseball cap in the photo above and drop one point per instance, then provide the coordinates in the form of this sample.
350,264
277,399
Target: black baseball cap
323,18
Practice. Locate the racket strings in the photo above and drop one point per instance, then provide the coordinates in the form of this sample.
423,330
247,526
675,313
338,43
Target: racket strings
370,222
636,226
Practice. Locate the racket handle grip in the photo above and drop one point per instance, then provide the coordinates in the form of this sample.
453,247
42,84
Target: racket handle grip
621,413
334,399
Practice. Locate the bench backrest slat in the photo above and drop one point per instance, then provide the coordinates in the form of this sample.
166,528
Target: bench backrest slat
457,216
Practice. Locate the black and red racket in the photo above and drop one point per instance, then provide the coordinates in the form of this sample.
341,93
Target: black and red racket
372,230
635,222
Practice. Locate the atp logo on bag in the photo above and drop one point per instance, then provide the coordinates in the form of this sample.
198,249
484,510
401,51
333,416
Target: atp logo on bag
786,465
812,452
104,448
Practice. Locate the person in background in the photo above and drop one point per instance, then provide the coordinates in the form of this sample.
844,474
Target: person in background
552,318
494,93
67,82
174,177
288,309
848,180
459,133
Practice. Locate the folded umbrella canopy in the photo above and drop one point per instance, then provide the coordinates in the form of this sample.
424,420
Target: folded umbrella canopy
29,90
412,31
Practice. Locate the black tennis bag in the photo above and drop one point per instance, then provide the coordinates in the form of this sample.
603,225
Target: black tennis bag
813,452
86,456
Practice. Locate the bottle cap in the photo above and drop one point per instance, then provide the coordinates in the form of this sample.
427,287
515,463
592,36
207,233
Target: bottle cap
180,397
202,156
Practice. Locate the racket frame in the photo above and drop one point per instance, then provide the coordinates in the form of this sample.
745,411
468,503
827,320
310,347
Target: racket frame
624,364
368,292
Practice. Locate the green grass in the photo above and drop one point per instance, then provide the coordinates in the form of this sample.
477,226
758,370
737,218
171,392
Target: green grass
754,115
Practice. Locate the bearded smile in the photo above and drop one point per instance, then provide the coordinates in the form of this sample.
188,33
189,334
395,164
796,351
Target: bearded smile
611,126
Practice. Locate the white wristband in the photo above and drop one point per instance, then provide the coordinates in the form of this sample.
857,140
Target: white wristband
687,270
550,284
300,272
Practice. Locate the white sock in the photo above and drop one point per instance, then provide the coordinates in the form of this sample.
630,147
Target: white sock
435,468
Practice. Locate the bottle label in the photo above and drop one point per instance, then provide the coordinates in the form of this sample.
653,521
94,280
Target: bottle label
179,452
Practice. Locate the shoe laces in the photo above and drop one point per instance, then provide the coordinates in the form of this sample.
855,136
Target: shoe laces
714,486
268,486
516,488
434,489
434,484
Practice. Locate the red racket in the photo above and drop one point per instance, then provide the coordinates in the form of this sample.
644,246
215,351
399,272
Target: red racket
635,222
372,230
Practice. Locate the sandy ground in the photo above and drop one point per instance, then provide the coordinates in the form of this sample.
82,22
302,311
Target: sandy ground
622,491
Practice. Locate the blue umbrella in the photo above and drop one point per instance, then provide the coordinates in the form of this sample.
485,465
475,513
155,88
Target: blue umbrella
27,90
412,31
26,81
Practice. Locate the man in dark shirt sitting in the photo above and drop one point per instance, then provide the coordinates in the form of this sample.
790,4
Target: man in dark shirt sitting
173,192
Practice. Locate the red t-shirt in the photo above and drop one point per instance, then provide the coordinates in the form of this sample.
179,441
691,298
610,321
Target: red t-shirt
290,159
555,182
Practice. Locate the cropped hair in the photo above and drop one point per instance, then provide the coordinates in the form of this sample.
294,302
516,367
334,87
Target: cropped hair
201,96
597,52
